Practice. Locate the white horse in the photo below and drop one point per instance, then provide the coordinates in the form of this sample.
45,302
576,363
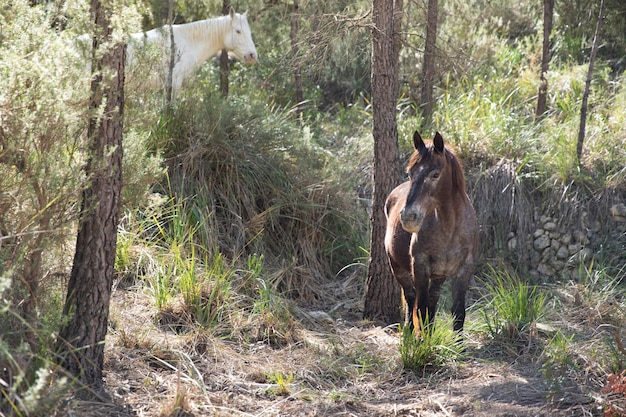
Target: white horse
194,43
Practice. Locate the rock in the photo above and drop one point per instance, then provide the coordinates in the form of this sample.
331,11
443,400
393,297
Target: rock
562,253
566,239
538,232
549,226
555,245
573,249
545,270
321,316
545,219
558,265
618,212
512,244
541,242
546,328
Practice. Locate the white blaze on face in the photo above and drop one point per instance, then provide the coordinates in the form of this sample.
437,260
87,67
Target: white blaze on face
238,40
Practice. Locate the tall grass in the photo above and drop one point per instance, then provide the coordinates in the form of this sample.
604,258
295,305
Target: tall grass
252,182
512,307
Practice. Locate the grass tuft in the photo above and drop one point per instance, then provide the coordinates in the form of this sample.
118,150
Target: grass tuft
436,345
512,307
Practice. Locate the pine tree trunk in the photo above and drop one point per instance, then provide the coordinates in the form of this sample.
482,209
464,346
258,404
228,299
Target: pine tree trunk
81,345
224,84
172,53
382,299
548,12
428,73
583,107
295,59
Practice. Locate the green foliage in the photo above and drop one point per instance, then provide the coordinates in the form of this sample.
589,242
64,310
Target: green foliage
512,307
434,346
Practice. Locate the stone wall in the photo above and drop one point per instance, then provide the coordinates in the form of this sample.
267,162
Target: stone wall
557,252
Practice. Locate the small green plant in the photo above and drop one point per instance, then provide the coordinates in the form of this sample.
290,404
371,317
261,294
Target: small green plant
557,352
435,345
161,285
282,381
215,292
272,319
513,306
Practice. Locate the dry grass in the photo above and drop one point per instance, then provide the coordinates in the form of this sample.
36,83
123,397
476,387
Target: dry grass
342,366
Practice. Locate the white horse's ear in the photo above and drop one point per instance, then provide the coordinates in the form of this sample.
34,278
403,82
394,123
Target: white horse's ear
232,13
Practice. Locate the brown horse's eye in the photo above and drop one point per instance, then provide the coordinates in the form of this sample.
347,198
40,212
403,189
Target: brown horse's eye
435,175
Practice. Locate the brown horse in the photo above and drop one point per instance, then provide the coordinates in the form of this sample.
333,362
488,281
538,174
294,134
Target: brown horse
432,232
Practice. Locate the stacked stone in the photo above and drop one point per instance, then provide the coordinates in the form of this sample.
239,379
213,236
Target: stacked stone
554,253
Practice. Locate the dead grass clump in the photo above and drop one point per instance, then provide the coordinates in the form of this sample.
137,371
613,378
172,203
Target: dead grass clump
179,405
250,183
504,205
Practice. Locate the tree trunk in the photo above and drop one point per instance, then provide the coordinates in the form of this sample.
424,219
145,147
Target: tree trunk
428,73
170,68
81,344
583,107
295,60
548,12
224,57
382,299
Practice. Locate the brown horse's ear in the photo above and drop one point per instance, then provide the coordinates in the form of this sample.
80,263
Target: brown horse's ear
418,143
438,142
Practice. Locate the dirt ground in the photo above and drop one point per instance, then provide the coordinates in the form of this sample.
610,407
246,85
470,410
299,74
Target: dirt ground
336,366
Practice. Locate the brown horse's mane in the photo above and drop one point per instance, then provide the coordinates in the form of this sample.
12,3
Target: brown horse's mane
458,177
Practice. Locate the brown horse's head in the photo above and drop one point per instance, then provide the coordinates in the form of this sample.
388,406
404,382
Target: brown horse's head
435,176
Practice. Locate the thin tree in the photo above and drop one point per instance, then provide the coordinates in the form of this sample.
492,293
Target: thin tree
296,59
428,69
224,84
382,298
583,108
81,342
548,13
172,61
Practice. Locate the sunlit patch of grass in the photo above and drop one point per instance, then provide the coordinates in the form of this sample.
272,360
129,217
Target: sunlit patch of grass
434,346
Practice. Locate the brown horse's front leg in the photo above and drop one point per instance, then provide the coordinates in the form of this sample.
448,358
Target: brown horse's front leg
433,297
404,278
421,308
409,298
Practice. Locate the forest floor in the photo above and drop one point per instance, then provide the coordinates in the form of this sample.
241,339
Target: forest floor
337,365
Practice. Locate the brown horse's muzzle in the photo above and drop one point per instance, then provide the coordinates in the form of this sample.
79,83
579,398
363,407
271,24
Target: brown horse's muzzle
411,219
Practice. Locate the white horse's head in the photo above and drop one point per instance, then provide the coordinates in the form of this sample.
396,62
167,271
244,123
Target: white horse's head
238,40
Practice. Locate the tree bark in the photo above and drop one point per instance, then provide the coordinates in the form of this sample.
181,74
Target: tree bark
172,62
428,70
548,12
382,299
583,107
224,84
295,59
81,344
